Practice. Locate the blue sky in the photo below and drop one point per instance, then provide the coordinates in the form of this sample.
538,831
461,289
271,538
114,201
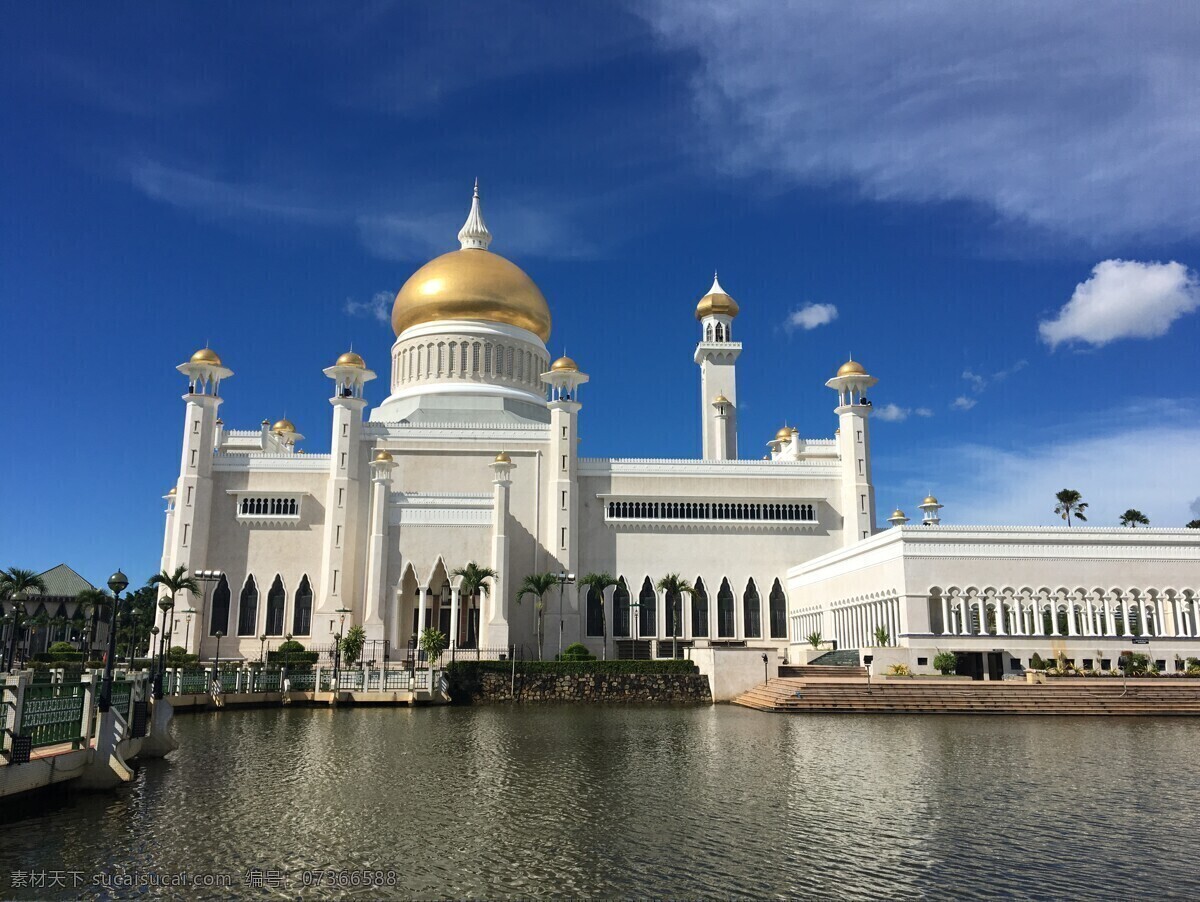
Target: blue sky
999,203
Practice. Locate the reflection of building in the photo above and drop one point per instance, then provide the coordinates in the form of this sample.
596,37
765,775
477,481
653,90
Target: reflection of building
57,615
474,456
996,595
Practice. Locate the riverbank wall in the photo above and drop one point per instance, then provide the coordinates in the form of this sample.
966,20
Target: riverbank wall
550,682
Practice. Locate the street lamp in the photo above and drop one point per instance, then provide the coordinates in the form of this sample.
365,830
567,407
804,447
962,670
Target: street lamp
564,579
337,644
287,652
164,606
16,618
634,626
208,578
187,627
117,583
217,662
262,648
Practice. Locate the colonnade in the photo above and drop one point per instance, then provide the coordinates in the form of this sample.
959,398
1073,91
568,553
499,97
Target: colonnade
1098,613
854,624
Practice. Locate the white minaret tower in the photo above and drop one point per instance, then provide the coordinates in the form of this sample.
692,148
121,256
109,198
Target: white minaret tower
717,354
343,490
188,524
375,595
854,451
495,630
929,510
562,499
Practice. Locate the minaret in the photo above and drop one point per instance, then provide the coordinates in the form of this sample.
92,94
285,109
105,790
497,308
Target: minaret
929,510
717,353
495,631
375,596
343,490
897,518
562,499
854,451
188,524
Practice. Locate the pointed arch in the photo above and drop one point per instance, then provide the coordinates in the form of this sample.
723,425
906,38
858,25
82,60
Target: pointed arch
302,608
700,610
777,604
595,612
621,609
726,623
218,621
248,607
751,611
276,603
648,612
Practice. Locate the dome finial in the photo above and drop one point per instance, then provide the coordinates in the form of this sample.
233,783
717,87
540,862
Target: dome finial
474,233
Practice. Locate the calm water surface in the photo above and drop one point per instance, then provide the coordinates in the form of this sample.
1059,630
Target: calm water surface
682,802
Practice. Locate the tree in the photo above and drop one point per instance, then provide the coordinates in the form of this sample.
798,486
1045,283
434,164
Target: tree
1134,518
882,637
814,639
673,586
1070,503
352,645
1193,524
175,582
945,662
433,643
537,585
474,585
600,583
91,602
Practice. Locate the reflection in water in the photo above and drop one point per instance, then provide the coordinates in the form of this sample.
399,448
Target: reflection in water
599,801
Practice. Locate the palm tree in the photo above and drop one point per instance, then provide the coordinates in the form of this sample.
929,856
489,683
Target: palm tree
1134,518
175,582
673,585
1070,503
91,601
16,584
537,585
474,584
600,583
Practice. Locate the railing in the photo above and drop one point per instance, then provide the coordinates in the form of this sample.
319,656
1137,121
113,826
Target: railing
122,695
397,679
302,681
350,679
53,714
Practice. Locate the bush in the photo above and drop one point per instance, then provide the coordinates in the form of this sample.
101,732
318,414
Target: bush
279,656
1139,663
59,657
291,646
58,647
577,651
899,670
1036,662
469,673
945,662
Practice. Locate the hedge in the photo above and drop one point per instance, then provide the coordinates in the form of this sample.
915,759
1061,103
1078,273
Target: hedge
471,669
59,657
295,657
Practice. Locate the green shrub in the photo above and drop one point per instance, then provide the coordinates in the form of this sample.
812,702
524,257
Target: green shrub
1036,662
577,651
58,657
945,662
1139,663
278,656
899,670
467,674
58,647
291,646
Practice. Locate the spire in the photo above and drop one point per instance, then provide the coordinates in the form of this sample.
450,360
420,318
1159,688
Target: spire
716,286
474,232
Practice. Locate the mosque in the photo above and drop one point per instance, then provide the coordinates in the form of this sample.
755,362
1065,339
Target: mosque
473,458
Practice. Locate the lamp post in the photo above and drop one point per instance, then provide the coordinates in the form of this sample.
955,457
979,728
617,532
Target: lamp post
634,607
287,653
337,643
187,626
17,619
262,648
208,578
164,606
217,663
564,579
117,583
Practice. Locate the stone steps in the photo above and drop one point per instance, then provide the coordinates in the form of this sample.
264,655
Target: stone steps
895,697
834,671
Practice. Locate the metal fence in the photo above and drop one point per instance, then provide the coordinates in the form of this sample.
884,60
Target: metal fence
51,714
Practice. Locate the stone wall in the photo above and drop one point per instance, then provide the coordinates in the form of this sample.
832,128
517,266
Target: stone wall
599,688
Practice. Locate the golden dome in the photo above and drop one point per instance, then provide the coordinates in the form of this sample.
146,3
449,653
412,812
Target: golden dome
564,364
206,355
282,427
351,359
929,499
382,455
471,284
897,514
503,458
720,399
174,491
784,434
716,301
851,368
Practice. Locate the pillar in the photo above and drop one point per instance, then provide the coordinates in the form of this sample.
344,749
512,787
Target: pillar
454,593
945,615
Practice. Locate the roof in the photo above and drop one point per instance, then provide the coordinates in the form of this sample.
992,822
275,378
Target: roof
63,581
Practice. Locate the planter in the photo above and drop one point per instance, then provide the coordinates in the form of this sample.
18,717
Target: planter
1034,676
951,677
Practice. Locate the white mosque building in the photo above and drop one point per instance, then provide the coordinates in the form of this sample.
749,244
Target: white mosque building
473,456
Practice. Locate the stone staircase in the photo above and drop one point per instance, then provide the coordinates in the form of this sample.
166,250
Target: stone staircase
823,671
1065,697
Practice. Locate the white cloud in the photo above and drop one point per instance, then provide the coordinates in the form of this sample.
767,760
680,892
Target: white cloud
891,413
1076,116
1136,466
1124,299
379,305
962,402
810,316
977,381
923,412
1194,507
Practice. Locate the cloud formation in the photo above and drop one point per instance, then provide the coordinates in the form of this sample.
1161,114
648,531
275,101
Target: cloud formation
379,306
810,316
1124,299
894,413
1077,116
962,402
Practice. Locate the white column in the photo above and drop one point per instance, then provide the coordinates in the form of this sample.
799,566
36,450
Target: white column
454,592
422,592
1177,615
1159,616
964,615
1141,615
1090,625
945,615
1054,617
1072,628
1124,602
982,605
1001,629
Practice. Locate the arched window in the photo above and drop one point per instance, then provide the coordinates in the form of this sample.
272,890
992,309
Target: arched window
751,611
648,612
451,359
726,624
720,332
219,621
778,607
487,358
621,609
521,367
248,608
508,362
708,332
595,612
302,609
276,601
700,610
475,359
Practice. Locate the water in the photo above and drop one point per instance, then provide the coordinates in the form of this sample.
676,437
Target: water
603,801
